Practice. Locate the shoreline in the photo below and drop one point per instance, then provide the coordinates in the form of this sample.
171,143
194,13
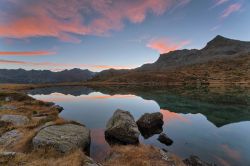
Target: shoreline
46,113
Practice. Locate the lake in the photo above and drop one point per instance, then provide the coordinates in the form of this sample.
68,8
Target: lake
213,124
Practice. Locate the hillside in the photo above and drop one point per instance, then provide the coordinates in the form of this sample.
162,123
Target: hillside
221,61
44,76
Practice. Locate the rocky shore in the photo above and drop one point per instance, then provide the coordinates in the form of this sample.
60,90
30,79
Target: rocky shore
31,133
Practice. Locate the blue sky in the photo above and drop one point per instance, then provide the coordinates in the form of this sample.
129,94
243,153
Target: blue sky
102,34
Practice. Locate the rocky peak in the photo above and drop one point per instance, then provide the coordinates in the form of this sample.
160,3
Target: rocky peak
220,41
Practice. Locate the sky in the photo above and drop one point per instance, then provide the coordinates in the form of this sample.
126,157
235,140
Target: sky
121,34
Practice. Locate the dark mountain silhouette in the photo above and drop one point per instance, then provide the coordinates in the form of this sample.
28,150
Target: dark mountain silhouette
221,61
44,76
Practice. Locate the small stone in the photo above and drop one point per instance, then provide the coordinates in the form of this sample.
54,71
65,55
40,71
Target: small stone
163,138
8,107
8,99
58,108
17,120
10,137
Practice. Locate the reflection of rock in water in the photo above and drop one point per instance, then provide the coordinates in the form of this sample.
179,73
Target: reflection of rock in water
150,124
66,90
122,129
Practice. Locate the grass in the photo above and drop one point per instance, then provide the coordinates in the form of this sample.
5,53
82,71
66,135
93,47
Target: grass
142,155
46,157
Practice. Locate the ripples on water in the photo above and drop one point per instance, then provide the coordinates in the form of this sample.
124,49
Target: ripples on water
211,124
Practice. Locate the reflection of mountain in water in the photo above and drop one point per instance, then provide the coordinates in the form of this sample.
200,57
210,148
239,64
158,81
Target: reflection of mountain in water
220,107
66,90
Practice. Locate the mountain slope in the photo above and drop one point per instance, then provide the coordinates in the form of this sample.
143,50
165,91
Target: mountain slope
44,76
221,61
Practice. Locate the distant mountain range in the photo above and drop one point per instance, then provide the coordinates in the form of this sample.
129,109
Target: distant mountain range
221,61
44,76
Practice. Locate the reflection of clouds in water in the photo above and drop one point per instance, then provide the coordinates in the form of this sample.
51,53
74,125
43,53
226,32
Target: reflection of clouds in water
234,154
99,146
172,116
192,133
59,97
222,161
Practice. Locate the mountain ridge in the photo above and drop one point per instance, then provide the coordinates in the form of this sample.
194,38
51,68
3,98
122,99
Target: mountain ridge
44,76
222,60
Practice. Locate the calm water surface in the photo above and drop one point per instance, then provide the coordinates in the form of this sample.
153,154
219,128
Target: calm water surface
214,127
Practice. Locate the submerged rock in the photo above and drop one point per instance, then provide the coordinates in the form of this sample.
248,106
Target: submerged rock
10,137
150,124
122,129
17,120
63,138
163,138
196,161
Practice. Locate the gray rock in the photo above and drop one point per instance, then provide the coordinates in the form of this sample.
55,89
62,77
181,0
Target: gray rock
10,137
7,154
63,137
8,99
163,138
122,129
150,124
90,162
8,107
17,120
39,118
58,108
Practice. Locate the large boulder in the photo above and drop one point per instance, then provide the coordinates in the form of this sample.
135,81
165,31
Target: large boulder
122,129
10,138
150,124
63,138
16,120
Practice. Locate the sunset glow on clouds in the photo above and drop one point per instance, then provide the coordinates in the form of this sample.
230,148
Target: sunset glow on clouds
231,9
25,53
164,45
97,34
61,19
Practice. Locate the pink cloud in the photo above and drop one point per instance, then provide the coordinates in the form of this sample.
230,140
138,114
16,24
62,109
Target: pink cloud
66,20
219,2
231,9
26,53
164,45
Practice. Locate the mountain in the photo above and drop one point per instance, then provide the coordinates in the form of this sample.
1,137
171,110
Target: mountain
221,61
44,76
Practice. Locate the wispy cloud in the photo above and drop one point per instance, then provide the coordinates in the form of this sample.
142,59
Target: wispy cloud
219,2
231,9
26,53
215,28
164,45
66,20
60,66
